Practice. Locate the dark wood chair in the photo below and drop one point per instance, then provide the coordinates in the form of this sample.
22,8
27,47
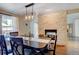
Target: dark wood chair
13,33
53,38
3,46
18,48
17,43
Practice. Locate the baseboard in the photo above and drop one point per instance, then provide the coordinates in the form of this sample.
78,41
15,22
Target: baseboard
60,45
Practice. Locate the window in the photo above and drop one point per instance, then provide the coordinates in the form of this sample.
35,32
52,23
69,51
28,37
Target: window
8,24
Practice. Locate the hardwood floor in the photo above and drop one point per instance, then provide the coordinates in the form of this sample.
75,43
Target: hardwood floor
61,50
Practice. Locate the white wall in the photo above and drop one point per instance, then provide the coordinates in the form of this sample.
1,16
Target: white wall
23,29
76,27
0,24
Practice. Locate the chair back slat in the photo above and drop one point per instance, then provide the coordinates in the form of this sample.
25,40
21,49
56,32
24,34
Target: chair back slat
3,46
17,46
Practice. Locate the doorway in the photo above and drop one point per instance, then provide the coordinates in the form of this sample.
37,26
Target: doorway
73,33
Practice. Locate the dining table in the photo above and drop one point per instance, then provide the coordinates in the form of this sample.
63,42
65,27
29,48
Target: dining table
35,42
32,42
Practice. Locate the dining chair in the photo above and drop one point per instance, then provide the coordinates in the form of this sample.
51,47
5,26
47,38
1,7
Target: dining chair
52,45
52,33
18,48
15,45
13,33
3,46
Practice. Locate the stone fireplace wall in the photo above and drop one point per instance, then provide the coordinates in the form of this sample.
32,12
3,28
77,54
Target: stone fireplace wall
56,20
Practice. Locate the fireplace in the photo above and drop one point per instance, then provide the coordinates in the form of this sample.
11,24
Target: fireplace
50,33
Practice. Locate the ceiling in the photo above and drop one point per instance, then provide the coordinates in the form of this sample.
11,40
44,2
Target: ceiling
19,8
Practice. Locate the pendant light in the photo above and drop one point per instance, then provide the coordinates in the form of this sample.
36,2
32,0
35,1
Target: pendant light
27,16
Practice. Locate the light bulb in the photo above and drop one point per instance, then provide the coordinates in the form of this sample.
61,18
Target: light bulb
32,16
25,17
29,17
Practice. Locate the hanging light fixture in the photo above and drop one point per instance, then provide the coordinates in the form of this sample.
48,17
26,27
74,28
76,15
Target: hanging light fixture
29,17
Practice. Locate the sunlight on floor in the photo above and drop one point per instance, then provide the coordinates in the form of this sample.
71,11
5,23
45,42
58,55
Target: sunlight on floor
73,47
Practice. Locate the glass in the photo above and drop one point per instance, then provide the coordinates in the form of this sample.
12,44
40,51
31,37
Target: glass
7,24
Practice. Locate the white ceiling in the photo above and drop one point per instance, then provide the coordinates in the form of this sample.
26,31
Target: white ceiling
19,8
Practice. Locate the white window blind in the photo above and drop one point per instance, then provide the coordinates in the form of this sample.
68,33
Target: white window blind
9,24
